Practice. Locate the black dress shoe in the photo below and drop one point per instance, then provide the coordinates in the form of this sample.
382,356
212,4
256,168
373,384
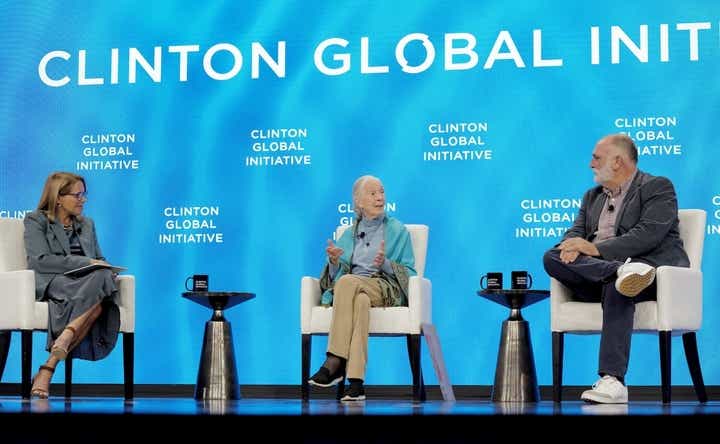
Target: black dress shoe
323,378
356,391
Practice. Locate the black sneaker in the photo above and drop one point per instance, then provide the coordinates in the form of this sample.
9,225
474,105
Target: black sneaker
356,392
323,378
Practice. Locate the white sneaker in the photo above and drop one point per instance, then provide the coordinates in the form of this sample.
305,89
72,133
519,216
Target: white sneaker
607,390
604,409
634,277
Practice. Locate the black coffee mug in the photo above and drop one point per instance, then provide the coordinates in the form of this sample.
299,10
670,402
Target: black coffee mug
521,280
493,281
199,282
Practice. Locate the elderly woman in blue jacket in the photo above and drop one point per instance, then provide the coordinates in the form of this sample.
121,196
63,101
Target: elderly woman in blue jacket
369,267
83,319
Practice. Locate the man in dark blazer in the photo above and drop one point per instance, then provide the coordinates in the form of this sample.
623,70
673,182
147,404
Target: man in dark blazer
627,226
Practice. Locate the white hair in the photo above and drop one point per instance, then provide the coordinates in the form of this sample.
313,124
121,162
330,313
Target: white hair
358,188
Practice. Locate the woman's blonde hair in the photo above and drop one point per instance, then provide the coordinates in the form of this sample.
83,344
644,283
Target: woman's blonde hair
56,185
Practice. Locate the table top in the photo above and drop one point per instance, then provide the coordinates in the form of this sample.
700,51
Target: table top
514,298
218,300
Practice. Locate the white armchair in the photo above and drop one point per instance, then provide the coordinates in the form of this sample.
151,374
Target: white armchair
384,321
677,311
19,311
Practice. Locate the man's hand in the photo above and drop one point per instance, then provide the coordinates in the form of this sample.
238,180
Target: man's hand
333,252
568,256
571,248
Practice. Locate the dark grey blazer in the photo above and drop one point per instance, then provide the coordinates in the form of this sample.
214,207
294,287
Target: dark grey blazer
48,248
646,227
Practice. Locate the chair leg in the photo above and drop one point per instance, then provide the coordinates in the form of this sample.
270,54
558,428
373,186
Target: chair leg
68,377
305,367
129,364
693,361
26,362
558,345
665,363
5,337
413,344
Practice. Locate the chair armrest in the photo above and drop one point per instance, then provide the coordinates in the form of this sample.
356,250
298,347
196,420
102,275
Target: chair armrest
559,294
17,299
126,299
309,297
679,298
419,301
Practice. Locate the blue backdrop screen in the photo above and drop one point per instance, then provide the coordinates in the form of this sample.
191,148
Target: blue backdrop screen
224,139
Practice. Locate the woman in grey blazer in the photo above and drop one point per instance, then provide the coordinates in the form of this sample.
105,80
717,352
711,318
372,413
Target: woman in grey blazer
83,318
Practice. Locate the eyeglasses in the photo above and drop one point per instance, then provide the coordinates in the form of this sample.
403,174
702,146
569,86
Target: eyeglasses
79,195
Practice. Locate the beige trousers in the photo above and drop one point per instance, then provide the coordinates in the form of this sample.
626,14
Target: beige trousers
348,338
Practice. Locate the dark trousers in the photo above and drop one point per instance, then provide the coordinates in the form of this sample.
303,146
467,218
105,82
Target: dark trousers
593,280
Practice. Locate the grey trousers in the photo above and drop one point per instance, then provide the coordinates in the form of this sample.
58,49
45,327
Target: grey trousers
593,280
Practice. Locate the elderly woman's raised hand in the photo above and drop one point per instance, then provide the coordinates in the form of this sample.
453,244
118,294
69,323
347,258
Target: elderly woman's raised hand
380,256
333,252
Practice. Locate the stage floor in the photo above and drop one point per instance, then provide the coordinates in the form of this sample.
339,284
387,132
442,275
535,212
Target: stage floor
372,407
106,420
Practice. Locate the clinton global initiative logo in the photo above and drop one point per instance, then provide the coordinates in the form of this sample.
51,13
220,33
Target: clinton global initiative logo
108,151
653,135
546,218
713,227
191,224
456,141
13,214
278,147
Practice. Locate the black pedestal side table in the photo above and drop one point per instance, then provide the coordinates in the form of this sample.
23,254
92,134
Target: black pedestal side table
515,377
217,373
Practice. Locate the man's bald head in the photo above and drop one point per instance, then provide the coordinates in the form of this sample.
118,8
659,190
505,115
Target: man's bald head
624,144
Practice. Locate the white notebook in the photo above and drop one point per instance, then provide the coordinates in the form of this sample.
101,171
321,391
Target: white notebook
92,267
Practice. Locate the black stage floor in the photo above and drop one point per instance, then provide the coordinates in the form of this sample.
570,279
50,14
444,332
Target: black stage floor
103,420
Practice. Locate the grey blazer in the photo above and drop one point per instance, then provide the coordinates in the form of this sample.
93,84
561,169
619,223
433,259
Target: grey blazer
48,248
646,226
